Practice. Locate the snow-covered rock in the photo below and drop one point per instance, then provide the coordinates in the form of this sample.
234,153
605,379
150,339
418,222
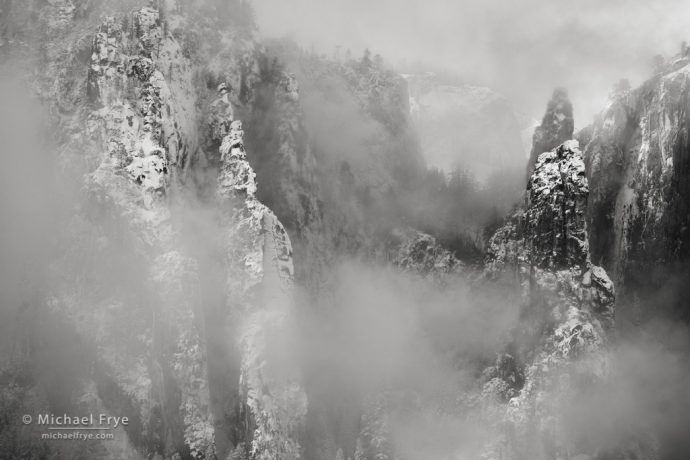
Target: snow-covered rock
258,257
421,253
568,306
143,103
556,127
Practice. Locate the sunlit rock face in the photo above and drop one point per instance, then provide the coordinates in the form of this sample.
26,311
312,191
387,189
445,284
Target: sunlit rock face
568,306
638,161
556,127
179,292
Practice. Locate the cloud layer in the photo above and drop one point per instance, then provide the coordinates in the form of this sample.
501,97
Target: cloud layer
523,49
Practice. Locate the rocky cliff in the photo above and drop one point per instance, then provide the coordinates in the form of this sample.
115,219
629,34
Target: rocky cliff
567,312
638,163
182,331
175,271
556,127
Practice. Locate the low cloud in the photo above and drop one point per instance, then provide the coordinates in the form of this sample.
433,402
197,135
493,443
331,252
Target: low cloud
522,49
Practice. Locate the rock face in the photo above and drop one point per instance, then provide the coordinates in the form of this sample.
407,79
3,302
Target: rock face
350,155
183,325
421,253
134,118
638,163
556,127
555,218
545,245
463,125
259,279
568,306
174,287
177,273
346,155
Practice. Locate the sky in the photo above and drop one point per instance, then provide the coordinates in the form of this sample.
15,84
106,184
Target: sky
521,48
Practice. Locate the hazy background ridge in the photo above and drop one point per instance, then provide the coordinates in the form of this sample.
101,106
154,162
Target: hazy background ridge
522,49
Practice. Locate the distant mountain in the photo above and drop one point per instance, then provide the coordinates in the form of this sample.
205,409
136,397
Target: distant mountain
466,126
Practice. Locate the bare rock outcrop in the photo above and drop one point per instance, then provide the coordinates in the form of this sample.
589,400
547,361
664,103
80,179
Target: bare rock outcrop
556,127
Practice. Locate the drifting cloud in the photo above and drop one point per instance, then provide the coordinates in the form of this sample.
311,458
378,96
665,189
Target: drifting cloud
522,49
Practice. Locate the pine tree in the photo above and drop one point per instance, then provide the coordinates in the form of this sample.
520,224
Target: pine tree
378,61
359,451
658,63
366,59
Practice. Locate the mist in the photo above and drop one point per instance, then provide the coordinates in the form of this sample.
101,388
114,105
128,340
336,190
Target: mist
398,355
410,349
415,350
31,201
644,399
522,49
